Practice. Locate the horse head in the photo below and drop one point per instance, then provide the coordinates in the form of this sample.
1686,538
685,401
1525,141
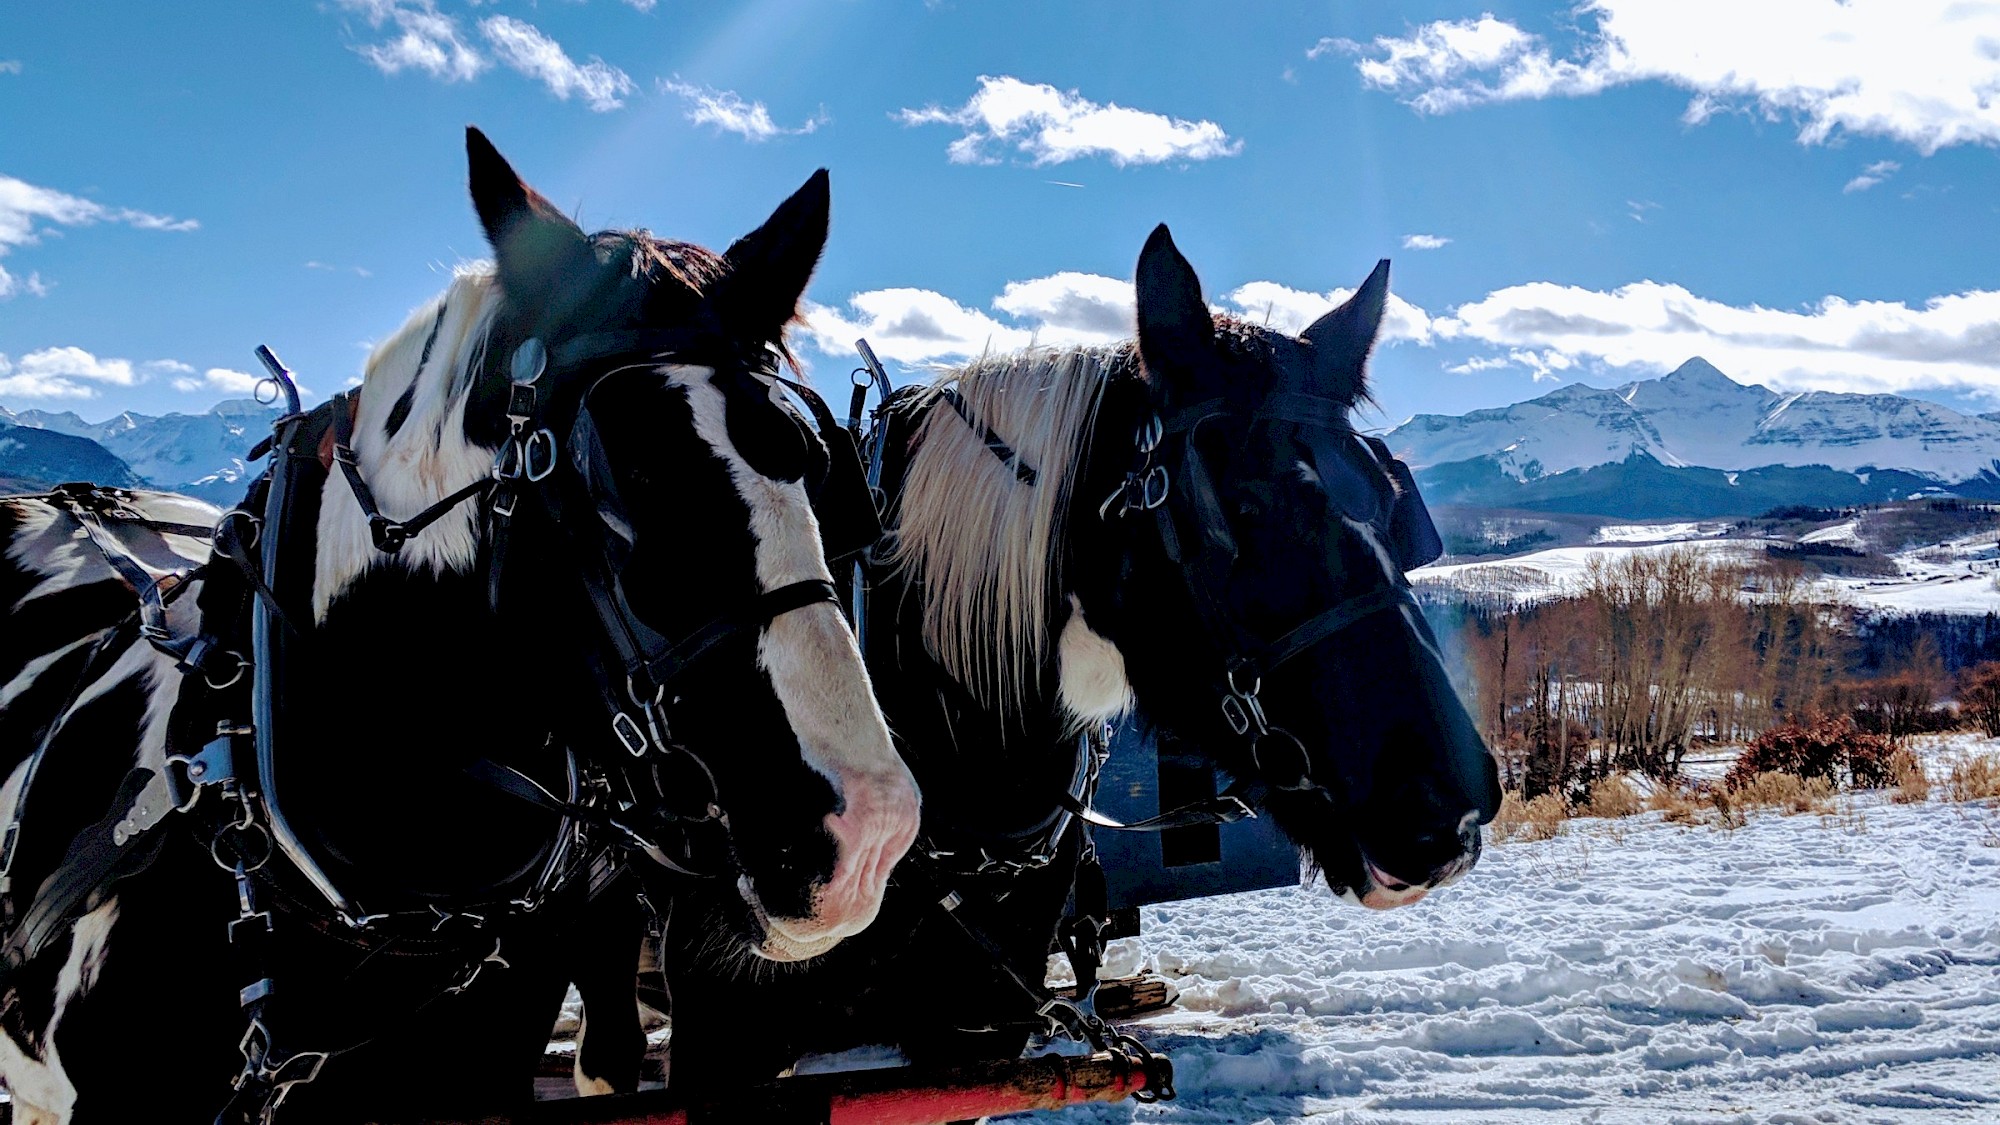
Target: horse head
629,383
1249,569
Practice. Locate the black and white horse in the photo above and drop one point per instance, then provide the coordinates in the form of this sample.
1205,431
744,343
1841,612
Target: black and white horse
684,481
1188,524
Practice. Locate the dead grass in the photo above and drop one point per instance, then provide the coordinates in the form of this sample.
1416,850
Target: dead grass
1785,792
1974,779
1676,805
1610,798
1539,819
1909,784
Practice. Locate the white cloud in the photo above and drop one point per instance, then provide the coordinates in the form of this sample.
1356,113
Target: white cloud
1053,126
23,205
523,46
1425,242
1949,342
1922,72
10,66
1290,310
324,267
910,326
642,5
1873,174
219,379
65,372
11,286
916,326
729,112
426,40
1072,308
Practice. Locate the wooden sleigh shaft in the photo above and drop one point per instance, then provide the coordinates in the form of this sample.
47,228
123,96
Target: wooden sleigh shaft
891,1096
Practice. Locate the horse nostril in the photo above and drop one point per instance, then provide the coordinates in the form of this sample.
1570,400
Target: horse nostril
1468,831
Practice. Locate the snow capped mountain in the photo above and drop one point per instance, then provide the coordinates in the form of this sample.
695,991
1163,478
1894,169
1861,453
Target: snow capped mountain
1697,416
200,454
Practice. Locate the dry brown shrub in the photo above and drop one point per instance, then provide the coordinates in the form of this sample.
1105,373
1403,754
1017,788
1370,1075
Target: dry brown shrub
1610,798
1543,818
1906,773
1539,819
1508,820
1786,792
1677,806
1818,747
1974,779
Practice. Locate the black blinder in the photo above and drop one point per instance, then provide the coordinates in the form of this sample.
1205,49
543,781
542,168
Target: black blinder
848,520
1412,536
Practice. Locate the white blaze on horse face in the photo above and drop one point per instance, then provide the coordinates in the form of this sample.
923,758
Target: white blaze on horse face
817,673
1094,688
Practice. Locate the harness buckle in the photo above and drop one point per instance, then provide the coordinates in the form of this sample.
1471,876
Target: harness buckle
1240,707
389,536
507,462
630,734
1153,490
536,466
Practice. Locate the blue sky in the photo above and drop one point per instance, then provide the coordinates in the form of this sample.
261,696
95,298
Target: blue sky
1803,191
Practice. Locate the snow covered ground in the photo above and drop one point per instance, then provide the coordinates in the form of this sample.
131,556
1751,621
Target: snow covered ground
1801,969
1658,532
1958,577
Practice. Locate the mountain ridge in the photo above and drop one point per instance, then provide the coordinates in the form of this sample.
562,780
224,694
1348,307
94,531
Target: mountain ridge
203,455
1696,416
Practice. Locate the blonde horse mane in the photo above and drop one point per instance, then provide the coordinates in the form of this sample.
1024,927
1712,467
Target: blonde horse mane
983,544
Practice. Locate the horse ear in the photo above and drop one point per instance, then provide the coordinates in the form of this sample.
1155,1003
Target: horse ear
1175,328
1343,338
771,265
533,243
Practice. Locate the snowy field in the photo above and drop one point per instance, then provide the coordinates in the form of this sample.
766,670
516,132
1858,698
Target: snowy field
1803,969
1954,577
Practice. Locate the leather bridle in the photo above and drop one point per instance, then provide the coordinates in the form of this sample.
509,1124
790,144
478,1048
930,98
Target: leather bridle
1172,481
636,666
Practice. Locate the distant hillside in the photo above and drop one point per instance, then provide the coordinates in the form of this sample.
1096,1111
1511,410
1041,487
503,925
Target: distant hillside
1640,488
202,455
32,459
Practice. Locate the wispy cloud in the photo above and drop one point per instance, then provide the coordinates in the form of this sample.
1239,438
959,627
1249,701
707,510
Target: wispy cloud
1873,174
523,47
1290,310
218,379
1425,242
10,66
425,39
11,286
1922,72
730,112
28,210
428,40
1052,126
1637,208
323,267
65,372
643,5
